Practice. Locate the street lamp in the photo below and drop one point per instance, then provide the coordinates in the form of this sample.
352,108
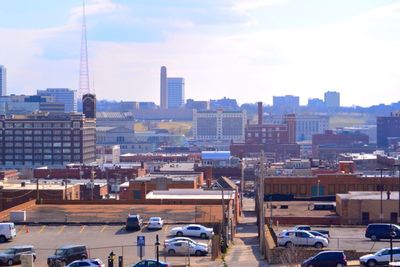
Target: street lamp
381,170
398,212
318,187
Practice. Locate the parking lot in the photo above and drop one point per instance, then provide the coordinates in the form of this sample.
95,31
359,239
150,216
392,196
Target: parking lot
100,241
350,238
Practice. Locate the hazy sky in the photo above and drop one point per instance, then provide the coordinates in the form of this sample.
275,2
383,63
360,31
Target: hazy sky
244,49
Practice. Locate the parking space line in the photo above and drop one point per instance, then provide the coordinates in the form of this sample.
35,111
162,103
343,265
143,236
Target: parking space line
165,229
61,230
102,229
42,229
82,228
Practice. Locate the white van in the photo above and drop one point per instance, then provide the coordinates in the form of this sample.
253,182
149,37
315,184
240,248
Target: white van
7,231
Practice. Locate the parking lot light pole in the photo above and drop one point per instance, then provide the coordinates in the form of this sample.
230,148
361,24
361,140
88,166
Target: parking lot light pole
381,170
157,251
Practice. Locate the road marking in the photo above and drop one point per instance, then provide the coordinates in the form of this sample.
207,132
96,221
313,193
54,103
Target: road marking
42,229
21,229
82,228
61,230
102,229
165,229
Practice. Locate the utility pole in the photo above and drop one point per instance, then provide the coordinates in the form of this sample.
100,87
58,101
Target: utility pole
381,170
261,210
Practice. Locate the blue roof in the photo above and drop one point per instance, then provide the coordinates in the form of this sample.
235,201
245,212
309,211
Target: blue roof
215,155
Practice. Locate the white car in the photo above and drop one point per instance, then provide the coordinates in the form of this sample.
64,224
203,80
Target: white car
192,230
7,231
185,248
301,238
187,239
382,257
87,262
155,223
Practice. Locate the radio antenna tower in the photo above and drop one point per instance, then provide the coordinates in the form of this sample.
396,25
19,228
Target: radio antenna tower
84,64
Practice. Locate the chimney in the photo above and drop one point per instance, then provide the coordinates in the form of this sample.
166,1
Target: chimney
388,195
260,113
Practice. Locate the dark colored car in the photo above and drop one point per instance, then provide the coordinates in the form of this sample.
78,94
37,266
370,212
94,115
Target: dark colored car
377,231
67,254
134,222
326,259
12,255
150,263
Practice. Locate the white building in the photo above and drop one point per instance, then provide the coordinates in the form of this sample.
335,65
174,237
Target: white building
3,81
61,95
219,125
176,92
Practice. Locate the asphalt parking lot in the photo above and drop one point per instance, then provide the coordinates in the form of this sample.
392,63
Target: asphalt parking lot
350,238
100,241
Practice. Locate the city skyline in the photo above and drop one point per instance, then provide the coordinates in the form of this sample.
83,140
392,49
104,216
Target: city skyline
249,51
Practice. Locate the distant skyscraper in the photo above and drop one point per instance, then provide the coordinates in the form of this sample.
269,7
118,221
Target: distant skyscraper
176,92
332,99
61,95
286,104
3,81
163,88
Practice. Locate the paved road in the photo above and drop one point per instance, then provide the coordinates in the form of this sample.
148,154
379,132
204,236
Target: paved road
100,241
245,251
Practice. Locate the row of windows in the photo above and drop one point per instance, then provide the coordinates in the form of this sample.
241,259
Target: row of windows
49,132
44,144
27,125
40,150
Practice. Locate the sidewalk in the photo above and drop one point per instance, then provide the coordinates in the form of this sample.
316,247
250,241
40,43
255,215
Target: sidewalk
245,251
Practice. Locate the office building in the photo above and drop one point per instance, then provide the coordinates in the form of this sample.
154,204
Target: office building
199,105
286,104
22,104
176,92
224,103
89,105
388,129
163,88
61,95
219,125
306,125
44,138
332,99
3,81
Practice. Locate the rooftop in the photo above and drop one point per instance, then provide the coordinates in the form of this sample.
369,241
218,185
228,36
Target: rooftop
215,155
186,177
369,195
181,166
190,194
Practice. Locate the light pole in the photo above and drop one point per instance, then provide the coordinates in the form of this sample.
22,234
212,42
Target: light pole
398,211
381,170
223,232
318,187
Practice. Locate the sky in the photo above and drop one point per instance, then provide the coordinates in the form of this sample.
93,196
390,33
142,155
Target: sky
244,49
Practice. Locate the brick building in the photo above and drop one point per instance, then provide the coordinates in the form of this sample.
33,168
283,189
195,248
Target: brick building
387,127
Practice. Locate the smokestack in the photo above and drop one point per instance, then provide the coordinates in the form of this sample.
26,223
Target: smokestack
260,113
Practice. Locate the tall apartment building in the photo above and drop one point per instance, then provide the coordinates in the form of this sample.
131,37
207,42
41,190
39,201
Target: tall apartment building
176,92
388,128
332,99
61,95
306,125
219,125
3,81
163,88
44,138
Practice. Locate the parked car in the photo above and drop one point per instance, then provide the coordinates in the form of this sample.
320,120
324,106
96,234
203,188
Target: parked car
192,230
185,248
182,238
289,238
326,259
12,255
377,231
155,223
308,228
7,231
67,254
382,257
134,222
150,263
87,262
316,233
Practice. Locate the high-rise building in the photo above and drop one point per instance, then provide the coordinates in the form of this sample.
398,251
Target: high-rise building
176,92
163,88
332,99
388,128
61,95
3,81
44,138
89,105
219,125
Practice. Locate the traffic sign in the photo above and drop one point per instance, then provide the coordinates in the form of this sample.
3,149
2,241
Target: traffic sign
141,241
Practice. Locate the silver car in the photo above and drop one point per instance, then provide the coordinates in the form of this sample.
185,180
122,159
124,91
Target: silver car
155,223
187,239
12,255
185,248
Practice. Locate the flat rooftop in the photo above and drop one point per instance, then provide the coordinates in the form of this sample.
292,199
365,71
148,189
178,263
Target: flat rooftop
181,166
369,195
32,186
190,194
172,177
